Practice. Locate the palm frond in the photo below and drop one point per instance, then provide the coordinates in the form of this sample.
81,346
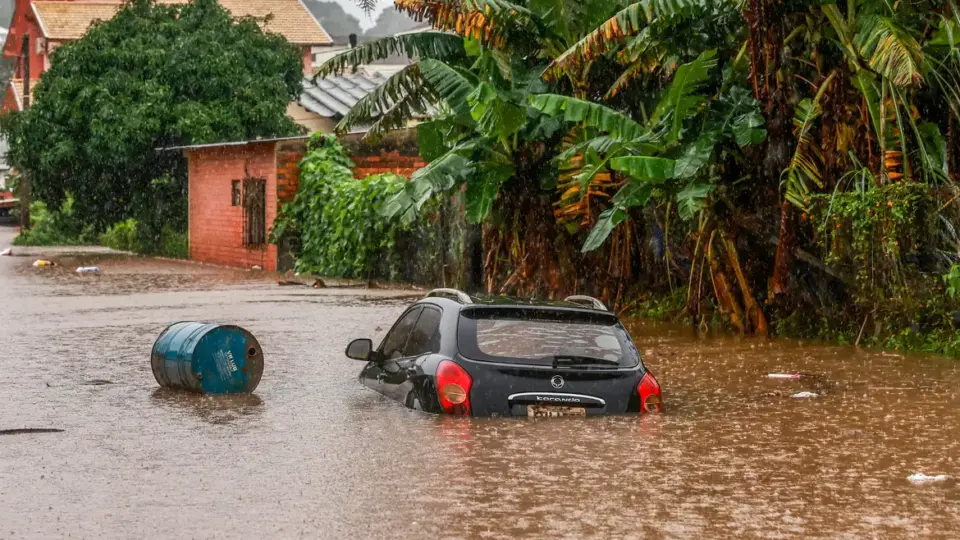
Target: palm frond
451,84
458,17
367,5
630,73
443,173
804,165
611,34
399,100
890,50
436,45
618,125
680,97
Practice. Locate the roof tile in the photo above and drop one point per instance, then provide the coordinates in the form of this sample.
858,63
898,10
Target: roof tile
67,20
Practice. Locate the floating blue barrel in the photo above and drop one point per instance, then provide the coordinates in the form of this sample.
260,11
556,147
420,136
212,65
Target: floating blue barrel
207,358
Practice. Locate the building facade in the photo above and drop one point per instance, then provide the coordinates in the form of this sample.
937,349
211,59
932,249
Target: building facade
40,26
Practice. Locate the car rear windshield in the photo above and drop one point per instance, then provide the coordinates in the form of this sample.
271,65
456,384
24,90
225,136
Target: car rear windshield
529,336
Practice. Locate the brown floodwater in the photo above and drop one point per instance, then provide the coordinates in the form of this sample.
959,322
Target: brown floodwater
313,454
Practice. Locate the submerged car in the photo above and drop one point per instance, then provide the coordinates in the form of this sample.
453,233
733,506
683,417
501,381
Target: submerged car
451,353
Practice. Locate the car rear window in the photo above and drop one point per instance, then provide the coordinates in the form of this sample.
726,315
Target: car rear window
527,336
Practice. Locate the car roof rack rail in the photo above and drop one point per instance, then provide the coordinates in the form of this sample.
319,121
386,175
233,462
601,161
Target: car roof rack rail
461,296
587,300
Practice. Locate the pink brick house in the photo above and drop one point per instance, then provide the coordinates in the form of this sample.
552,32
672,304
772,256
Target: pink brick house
236,190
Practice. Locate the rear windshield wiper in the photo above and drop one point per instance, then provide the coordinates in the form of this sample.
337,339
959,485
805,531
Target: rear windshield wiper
574,361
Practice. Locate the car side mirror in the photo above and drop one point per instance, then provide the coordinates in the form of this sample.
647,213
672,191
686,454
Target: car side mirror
360,349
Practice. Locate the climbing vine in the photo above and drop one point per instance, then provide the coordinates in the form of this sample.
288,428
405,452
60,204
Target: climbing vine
337,218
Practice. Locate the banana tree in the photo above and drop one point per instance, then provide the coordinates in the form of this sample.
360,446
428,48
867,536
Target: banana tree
485,137
672,158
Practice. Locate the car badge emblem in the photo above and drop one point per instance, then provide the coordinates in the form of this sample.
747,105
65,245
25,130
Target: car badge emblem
557,382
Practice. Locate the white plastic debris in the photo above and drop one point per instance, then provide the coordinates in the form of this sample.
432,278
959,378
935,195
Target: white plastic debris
257,268
6,253
920,478
805,395
88,270
790,376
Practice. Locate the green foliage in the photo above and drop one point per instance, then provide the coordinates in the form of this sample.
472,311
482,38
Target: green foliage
641,111
605,119
62,227
867,233
655,155
156,75
342,233
661,307
174,244
952,280
160,213
121,236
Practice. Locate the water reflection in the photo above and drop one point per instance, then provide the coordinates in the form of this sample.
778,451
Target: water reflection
221,410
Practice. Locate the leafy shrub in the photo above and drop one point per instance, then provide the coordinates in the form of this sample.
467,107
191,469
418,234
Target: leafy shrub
121,236
952,280
55,228
337,217
174,244
127,235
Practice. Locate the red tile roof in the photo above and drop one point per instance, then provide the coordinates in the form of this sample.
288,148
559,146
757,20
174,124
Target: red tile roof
68,20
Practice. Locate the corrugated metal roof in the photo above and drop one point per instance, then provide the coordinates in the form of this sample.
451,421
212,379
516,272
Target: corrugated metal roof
232,143
334,96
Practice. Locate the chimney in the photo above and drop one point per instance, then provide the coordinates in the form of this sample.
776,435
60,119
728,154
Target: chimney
353,41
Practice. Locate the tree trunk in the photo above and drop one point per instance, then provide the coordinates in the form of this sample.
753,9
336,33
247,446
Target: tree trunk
756,321
726,300
785,247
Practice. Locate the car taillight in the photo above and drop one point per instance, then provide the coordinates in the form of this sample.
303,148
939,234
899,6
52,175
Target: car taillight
453,387
649,390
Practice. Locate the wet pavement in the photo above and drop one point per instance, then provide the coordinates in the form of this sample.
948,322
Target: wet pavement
315,455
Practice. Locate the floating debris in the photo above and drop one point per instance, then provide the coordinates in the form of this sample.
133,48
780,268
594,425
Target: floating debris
98,382
920,478
88,270
789,376
42,263
805,395
6,253
28,431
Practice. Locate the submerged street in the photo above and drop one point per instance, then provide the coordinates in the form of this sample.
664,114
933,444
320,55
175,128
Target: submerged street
314,454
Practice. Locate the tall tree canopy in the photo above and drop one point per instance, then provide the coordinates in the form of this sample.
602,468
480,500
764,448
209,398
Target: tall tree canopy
156,75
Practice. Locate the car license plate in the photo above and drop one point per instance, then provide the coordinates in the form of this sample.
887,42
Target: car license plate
547,411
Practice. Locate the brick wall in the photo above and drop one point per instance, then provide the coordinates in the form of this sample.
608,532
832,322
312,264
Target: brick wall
289,155
216,227
387,162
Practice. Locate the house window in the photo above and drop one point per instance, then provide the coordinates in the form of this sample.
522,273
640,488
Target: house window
254,212
235,194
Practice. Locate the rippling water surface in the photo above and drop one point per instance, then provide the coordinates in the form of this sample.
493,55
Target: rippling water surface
315,455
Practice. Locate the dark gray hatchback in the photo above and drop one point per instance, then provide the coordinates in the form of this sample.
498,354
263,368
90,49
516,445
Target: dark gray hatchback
454,354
